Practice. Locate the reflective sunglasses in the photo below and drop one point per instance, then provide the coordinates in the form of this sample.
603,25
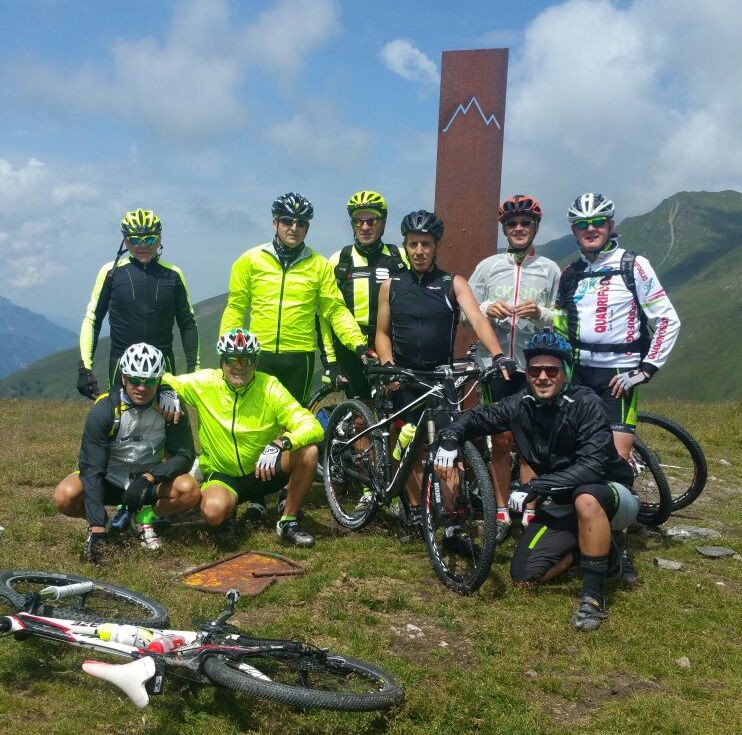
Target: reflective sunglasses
143,239
239,359
360,221
291,221
511,224
534,371
583,224
136,381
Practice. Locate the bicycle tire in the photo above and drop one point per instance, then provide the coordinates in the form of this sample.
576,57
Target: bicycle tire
650,484
345,492
106,603
321,404
328,681
679,454
475,512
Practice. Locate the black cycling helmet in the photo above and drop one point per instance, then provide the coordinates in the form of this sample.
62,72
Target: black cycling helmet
548,343
292,205
423,221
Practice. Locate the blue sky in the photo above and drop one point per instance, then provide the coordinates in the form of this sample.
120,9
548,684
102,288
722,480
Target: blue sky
205,110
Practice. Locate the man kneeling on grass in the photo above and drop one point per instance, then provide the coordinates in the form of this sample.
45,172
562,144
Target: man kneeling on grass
241,414
130,455
562,432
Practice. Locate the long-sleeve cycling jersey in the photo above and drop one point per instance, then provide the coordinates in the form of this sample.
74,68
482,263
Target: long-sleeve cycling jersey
234,425
359,276
283,301
143,301
597,312
567,442
121,439
501,277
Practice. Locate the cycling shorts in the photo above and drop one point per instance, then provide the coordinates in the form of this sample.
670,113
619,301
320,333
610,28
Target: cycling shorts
621,411
293,369
247,487
497,388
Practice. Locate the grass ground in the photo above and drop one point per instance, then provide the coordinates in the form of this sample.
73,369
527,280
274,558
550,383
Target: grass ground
511,664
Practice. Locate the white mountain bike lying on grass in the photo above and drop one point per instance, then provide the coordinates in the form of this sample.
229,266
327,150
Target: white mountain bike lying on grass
116,621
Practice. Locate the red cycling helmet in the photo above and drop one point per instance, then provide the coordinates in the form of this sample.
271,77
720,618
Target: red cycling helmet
520,204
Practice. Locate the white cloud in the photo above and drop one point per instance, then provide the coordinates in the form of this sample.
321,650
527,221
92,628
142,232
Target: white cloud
409,62
636,100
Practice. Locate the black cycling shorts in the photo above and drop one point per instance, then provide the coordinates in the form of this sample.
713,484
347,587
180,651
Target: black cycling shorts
247,487
621,411
351,366
293,369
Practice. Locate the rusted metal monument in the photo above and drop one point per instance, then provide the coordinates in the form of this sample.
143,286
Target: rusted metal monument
471,125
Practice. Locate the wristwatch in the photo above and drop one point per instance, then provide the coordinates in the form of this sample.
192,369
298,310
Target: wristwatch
286,444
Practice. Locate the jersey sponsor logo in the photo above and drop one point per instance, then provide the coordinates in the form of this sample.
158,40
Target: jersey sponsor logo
656,296
659,338
433,288
382,274
631,323
601,305
642,273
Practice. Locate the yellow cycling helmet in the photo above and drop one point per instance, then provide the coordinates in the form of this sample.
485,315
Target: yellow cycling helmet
141,222
367,200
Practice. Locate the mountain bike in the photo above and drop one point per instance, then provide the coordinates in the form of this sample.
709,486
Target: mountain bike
650,484
116,621
359,476
679,455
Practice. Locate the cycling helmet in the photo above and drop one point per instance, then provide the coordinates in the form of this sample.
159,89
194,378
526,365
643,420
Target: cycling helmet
371,200
238,342
423,221
590,205
141,222
548,343
520,204
292,205
142,361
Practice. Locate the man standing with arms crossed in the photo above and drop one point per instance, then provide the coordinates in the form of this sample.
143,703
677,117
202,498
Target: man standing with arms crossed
516,290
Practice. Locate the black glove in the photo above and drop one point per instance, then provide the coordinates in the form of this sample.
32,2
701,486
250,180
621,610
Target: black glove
500,363
365,353
140,492
87,385
387,379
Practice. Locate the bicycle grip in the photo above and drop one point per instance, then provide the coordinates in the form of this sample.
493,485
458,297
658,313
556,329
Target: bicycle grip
66,590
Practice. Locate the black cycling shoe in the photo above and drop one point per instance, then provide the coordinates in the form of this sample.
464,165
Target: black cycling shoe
590,614
255,513
226,532
503,529
461,543
95,548
293,532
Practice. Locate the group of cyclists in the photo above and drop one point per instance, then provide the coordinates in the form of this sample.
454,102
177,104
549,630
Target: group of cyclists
568,351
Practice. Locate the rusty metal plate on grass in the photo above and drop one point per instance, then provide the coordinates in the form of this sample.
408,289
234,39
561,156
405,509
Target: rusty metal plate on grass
250,572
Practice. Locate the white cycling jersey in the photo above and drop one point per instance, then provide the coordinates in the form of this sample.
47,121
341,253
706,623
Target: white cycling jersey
501,277
598,310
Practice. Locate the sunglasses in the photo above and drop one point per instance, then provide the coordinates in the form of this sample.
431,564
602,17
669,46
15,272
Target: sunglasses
239,359
534,371
511,224
142,239
291,221
137,381
583,224
360,221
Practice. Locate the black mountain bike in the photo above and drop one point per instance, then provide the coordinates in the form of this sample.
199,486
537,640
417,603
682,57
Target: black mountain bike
360,479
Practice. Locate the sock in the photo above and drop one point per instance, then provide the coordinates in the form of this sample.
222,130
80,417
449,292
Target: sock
528,515
145,516
594,571
286,519
503,514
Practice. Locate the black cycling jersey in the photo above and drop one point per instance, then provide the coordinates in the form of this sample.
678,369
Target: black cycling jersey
567,442
143,301
424,316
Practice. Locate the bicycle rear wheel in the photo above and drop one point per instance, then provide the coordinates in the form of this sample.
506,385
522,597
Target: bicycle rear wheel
650,484
460,532
679,455
350,470
316,678
107,603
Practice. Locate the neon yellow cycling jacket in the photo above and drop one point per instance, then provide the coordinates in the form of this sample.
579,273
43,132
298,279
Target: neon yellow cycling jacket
234,425
283,302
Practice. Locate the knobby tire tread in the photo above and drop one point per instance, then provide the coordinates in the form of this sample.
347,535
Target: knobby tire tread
653,514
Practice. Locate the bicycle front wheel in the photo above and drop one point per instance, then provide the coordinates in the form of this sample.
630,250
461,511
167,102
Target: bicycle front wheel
679,455
322,403
311,679
460,530
106,603
650,484
351,468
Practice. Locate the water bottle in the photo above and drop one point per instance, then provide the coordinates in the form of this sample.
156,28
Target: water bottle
165,642
130,635
405,437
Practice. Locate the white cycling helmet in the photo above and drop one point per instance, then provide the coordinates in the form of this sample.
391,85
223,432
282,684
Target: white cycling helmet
238,342
590,205
142,361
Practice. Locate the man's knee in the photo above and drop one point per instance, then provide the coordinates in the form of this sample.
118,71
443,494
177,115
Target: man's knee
68,493
588,507
216,507
186,489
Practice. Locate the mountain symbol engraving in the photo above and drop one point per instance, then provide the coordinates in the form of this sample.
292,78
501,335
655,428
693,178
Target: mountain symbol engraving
464,110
